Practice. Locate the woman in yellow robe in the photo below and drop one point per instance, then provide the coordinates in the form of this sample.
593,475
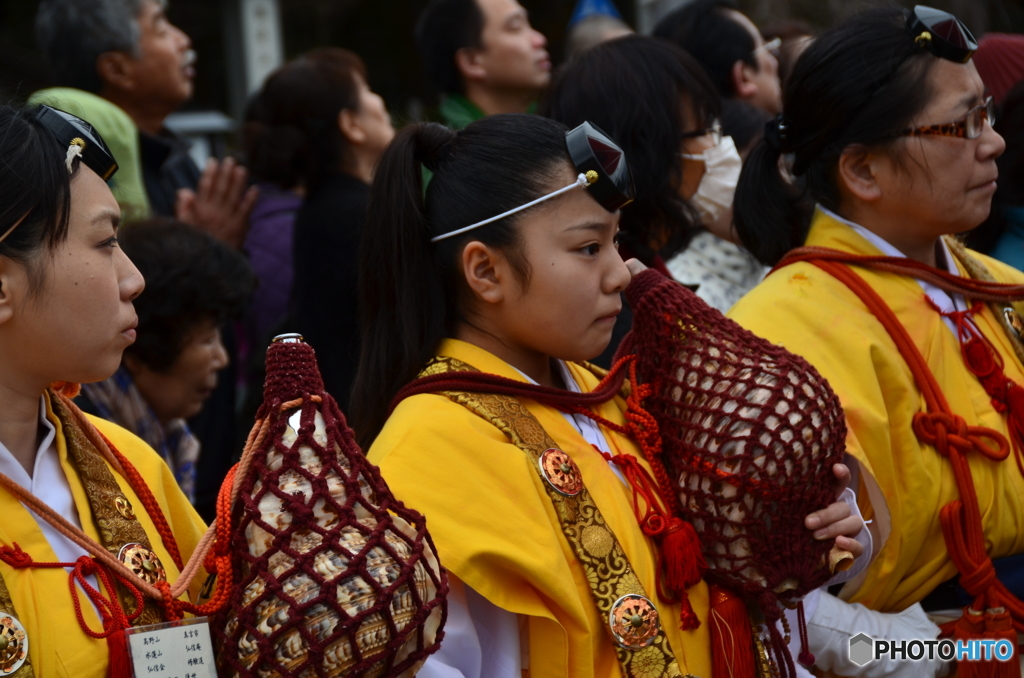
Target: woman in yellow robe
892,178
525,299
66,315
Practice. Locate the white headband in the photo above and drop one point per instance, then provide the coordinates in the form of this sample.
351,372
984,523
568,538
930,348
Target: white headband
582,181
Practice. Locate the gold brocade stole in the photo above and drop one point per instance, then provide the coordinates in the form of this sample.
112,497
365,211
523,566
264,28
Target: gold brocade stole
608,570
116,526
113,513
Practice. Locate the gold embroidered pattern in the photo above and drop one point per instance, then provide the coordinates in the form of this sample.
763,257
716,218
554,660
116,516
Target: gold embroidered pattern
608,571
101,488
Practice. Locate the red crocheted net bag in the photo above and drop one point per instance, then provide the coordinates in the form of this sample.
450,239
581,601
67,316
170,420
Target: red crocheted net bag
333,575
749,435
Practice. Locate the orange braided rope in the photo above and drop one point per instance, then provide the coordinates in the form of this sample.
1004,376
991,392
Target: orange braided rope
952,438
217,536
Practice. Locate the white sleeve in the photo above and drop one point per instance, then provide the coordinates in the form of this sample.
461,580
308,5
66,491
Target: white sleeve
481,640
835,621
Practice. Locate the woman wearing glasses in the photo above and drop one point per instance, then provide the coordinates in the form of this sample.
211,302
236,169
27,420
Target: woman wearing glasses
918,336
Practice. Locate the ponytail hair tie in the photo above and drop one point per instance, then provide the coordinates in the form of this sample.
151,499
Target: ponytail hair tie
775,134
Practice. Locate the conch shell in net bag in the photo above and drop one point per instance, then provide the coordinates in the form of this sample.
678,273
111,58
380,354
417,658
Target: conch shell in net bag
749,433
337,577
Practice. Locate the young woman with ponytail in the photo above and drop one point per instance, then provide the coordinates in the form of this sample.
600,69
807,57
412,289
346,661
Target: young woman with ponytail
885,152
531,509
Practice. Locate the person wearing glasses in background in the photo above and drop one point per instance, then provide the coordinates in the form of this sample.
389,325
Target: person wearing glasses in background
657,100
891,160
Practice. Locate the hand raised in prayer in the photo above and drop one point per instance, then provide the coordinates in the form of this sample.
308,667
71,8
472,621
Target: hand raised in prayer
221,204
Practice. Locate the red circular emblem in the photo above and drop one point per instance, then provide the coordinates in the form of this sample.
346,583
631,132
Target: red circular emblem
142,562
561,472
634,621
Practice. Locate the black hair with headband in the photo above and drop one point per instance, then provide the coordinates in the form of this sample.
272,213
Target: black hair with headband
35,181
413,292
856,84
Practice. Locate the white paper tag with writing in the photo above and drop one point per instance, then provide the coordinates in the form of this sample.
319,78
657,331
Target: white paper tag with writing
179,649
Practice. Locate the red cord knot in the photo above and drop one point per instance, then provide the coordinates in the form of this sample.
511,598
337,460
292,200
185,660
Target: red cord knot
172,607
944,431
979,580
14,556
654,524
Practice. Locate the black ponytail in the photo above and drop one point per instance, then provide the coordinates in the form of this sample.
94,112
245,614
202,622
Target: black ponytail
410,289
855,84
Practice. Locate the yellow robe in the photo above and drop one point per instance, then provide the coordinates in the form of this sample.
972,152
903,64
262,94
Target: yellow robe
812,314
58,647
496,529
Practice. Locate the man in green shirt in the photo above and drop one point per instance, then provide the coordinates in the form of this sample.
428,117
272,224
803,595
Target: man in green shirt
483,56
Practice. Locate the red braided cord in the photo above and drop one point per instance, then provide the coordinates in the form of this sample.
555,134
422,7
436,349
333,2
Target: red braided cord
944,280
960,519
111,614
481,382
986,363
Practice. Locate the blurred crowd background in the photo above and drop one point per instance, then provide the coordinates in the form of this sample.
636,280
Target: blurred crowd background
296,100
239,41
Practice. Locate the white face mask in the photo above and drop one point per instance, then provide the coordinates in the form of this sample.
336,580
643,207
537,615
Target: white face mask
722,165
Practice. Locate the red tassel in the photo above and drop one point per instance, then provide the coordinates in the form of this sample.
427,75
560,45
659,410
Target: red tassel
120,663
682,557
683,565
732,651
805,657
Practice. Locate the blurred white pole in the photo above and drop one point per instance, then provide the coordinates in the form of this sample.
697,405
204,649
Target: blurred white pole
262,41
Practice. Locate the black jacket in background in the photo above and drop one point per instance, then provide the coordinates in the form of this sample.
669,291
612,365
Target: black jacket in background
323,306
166,167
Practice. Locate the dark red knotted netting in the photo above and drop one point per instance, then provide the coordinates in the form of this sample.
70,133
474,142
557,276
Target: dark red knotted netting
749,435
332,575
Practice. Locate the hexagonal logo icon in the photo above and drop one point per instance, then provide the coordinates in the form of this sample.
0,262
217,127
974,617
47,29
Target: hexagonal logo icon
862,649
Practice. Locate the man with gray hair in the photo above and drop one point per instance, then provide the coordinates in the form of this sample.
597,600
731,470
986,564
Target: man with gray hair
128,53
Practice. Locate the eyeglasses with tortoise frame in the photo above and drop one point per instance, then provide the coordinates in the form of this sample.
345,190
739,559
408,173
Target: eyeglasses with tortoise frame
968,126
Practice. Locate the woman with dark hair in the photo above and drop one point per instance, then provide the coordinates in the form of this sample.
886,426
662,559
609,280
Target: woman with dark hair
657,100
271,234
507,269
194,284
320,128
891,159
75,491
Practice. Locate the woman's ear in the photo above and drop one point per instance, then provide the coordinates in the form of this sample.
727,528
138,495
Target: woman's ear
351,129
12,282
485,269
859,171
